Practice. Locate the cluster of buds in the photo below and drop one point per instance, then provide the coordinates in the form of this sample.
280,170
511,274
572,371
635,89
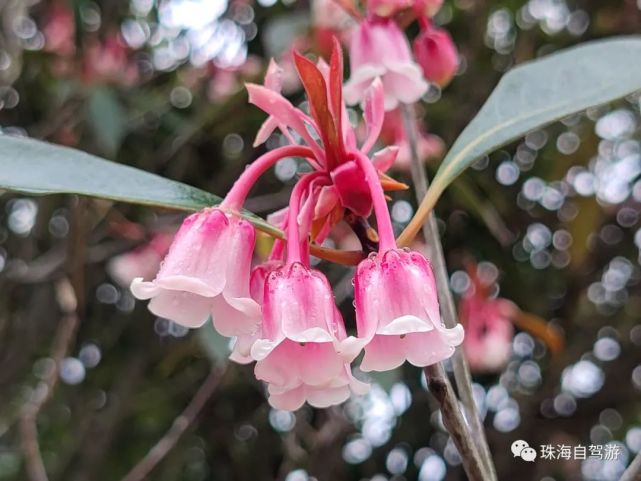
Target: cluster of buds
282,312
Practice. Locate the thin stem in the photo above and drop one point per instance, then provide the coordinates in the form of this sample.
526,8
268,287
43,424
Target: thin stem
240,190
454,422
448,308
425,208
165,444
633,473
294,251
383,220
28,429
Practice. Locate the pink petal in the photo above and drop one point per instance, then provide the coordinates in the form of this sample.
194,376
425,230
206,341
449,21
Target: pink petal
385,158
285,113
241,317
184,308
274,77
290,400
374,110
327,200
241,351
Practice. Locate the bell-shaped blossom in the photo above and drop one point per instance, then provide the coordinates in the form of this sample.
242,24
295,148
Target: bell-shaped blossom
241,351
397,312
335,391
380,49
303,352
488,331
303,337
206,273
437,55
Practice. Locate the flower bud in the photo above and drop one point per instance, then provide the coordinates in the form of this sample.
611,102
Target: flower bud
437,55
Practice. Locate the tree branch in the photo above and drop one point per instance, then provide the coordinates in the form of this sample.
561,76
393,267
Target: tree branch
448,308
633,473
165,444
65,334
440,387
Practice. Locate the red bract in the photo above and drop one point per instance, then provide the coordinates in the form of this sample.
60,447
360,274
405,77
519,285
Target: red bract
333,155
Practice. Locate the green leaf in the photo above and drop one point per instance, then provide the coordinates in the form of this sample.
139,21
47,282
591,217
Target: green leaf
215,346
108,119
39,168
540,92
477,204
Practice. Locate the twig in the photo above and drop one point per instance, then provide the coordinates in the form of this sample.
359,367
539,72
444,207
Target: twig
448,308
28,415
165,444
454,422
633,473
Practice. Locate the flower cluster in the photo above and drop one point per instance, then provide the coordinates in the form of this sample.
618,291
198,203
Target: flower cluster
380,49
282,312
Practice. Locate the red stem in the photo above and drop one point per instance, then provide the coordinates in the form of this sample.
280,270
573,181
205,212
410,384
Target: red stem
383,220
294,251
240,190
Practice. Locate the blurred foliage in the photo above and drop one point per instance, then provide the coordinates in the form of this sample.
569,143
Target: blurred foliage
554,219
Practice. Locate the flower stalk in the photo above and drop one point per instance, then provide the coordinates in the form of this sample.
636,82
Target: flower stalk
435,254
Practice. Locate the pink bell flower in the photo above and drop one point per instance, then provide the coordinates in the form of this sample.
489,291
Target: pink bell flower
243,343
436,53
303,338
303,352
206,273
397,312
380,49
334,392
489,332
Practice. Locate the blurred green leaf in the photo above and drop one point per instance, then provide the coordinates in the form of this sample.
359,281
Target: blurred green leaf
479,206
386,379
280,33
40,168
215,345
107,118
540,92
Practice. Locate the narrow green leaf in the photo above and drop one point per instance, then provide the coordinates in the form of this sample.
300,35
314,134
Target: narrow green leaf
39,168
543,91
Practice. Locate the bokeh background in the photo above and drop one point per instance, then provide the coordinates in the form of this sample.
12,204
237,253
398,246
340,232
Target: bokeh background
553,221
